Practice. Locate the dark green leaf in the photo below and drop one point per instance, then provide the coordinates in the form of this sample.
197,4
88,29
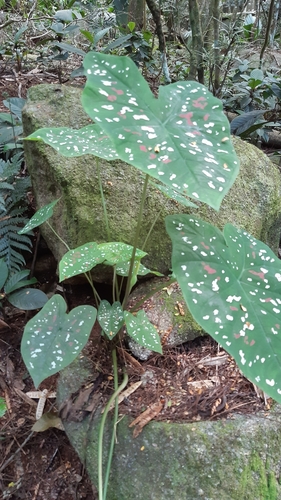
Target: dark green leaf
53,339
28,299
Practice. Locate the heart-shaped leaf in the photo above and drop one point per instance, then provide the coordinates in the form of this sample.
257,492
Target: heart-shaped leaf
53,339
70,142
110,317
182,138
232,285
39,217
142,331
80,260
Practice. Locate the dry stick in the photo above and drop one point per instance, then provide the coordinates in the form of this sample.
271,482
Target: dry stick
155,12
196,61
216,14
266,38
16,452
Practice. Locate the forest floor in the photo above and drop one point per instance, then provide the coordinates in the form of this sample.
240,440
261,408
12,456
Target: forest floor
196,381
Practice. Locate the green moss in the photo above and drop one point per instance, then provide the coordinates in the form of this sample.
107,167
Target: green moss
256,481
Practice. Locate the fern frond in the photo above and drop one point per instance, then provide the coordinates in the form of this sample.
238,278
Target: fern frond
13,206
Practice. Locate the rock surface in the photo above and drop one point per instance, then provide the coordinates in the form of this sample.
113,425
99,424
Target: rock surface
166,309
230,459
254,202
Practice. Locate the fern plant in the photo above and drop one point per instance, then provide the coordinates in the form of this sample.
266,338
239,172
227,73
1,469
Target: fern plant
13,206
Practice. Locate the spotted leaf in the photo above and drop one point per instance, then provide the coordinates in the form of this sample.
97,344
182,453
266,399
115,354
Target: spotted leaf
142,331
39,217
71,142
232,285
53,339
182,138
110,317
80,260
117,253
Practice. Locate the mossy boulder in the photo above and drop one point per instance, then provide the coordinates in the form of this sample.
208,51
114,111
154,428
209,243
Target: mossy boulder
232,459
253,203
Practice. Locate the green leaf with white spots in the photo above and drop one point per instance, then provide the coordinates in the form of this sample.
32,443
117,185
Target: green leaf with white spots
71,142
110,317
116,253
80,260
53,339
182,138
122,269
171,193
232,285
142,331
39,217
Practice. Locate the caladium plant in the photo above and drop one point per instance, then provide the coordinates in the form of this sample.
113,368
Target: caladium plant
53,338
167,138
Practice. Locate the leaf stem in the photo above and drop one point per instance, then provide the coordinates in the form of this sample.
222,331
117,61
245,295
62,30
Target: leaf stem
115,419
103,201
101,433
135,244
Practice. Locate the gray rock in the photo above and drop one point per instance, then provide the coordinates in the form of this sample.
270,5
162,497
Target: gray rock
253,203
231,459
166,309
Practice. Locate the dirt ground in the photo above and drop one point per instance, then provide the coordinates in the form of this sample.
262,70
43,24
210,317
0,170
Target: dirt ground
196,381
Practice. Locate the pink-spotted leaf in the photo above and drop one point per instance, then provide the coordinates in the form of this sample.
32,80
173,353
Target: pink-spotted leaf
232,285
182,138
53,339
71,142
116,252
110,317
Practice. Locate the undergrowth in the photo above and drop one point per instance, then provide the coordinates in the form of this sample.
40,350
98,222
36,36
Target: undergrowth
13,207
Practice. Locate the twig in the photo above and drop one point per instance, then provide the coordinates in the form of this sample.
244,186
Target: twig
16,452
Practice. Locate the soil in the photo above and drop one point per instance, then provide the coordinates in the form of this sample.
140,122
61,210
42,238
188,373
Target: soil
195,381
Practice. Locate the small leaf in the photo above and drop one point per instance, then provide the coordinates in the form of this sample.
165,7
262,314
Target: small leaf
3,407
88,35
243,122
15,278
28,299
110,317
80,260
142,331
131,25
232,285
70,142
70,48
64,15
53,339
39,217
47,421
